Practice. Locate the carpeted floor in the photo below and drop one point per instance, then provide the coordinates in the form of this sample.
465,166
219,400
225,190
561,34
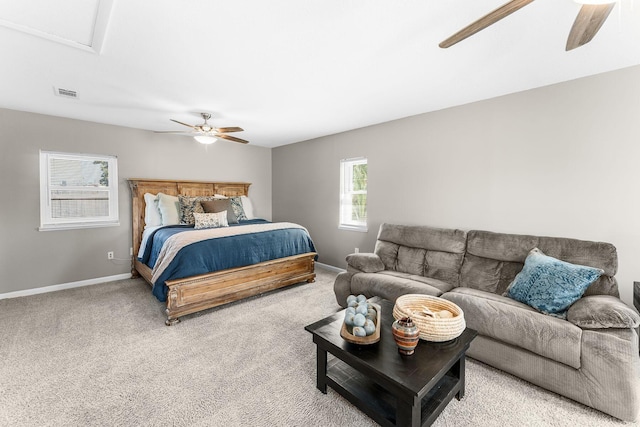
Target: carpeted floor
101,355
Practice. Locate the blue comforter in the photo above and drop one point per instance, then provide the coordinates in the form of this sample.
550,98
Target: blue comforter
222,253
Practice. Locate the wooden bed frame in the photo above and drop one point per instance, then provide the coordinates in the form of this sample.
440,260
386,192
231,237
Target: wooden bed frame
196,293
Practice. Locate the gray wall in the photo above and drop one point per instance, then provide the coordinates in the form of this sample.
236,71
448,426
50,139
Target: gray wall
30,258
557,161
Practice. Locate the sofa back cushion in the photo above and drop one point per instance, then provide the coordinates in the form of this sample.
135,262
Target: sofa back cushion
493,260
423,251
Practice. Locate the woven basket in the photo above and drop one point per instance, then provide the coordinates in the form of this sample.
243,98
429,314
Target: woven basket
431,329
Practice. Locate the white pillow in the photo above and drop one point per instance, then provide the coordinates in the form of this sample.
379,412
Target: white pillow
210,220
152,216
248,207
169,208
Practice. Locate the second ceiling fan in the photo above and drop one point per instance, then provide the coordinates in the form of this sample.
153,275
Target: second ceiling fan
592,15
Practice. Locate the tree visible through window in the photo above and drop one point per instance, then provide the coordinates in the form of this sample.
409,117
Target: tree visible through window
353,193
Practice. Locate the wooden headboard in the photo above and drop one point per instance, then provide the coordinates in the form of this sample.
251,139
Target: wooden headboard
174,188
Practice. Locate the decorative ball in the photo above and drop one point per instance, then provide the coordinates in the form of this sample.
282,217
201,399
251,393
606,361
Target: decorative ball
359,331
359,320
445,314
362,298
349,319
362,309
369,327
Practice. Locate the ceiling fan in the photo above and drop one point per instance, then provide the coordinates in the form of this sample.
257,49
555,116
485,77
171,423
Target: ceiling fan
592,15
206,134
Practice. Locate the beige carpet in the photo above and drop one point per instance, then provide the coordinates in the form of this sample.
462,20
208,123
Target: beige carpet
101,355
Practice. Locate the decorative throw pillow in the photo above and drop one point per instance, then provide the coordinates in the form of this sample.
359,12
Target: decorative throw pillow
152,216
215,206
247,206
189,205
236,205
210,220
550,285
169,208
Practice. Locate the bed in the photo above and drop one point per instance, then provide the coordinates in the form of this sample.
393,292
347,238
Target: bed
190,294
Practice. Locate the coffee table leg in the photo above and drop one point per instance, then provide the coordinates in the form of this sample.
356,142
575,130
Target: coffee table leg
409,413
322,370
459,372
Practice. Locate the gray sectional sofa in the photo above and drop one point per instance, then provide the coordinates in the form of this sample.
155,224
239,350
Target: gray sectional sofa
591,356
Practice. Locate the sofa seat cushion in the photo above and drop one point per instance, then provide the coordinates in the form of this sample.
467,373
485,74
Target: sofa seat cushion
391,286
518,324
439,284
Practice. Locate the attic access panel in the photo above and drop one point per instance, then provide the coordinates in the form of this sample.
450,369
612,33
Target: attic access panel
77,23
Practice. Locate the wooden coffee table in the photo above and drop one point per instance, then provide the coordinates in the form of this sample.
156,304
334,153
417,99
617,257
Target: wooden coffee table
392,389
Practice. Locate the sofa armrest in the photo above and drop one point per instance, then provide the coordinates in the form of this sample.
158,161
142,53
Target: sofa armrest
601,312
365,262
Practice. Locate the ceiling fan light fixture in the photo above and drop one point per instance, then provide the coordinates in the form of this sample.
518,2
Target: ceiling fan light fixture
204,139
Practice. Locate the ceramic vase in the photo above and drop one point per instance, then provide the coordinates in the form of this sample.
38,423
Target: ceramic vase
406,335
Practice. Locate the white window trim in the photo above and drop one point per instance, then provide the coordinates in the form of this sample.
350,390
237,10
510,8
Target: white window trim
47,223
347,225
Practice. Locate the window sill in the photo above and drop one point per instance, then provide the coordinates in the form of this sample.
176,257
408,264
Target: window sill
360,228
77,226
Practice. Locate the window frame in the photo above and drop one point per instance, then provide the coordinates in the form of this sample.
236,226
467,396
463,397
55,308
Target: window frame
346,195
48,222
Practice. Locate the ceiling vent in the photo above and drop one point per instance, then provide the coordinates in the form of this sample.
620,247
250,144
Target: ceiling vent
65,93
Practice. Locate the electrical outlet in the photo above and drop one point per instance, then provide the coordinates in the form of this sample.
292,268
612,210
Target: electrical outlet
110,255
130,251
357,250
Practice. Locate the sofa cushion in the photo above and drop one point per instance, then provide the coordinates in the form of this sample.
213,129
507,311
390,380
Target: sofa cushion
492,260
423,251
441,285
550,285
486,274
602,312
411,260
390,286
518,324
367,262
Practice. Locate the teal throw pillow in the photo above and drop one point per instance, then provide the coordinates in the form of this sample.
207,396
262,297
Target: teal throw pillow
550,285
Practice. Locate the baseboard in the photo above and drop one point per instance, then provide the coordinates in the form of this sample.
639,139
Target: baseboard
53,288
330,267
98,280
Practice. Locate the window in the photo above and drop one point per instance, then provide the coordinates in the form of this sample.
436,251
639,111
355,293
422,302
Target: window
353,194
78,190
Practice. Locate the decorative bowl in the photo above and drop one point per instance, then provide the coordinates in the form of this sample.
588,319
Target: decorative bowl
345,331
431,328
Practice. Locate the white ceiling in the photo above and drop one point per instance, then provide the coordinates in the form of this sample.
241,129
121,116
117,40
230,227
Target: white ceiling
291,70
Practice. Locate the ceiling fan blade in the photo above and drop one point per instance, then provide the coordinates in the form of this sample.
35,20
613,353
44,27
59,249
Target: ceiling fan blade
232,138
184,124
178,133
487,20
587,23
175,132
229,129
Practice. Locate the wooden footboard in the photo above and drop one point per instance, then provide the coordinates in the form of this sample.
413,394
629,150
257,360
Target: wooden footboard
193,294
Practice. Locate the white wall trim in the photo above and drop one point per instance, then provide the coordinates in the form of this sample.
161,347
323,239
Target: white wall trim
330,267
53,288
